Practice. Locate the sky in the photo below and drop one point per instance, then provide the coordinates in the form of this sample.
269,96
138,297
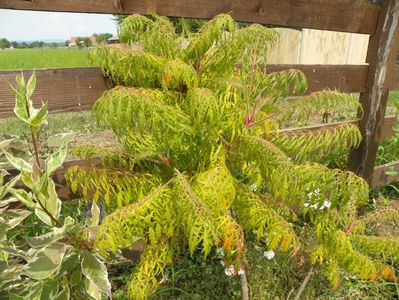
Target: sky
31,25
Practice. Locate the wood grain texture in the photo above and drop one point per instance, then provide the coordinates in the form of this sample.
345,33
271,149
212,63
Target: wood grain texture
77,89
394,85
345,78
380,178
67,89
387,128
381,56
358,16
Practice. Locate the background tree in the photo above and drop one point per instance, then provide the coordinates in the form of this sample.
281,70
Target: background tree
83,42
4,43
102,38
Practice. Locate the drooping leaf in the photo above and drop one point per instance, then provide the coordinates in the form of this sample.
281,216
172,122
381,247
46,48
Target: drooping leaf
18,163
24,197
57,159
46,261
5,143
47,238
96,272
50,290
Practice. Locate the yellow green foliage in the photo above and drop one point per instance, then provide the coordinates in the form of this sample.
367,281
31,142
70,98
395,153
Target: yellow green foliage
203,159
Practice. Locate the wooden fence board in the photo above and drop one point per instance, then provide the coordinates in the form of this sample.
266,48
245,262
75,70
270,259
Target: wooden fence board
67,89
358,16
395,79
381,56
387,128
380,178
76,89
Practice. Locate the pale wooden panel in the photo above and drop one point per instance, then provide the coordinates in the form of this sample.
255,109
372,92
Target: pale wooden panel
324,47
286,51
357,51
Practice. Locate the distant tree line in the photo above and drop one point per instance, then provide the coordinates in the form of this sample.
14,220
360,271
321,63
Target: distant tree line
4,43
101,38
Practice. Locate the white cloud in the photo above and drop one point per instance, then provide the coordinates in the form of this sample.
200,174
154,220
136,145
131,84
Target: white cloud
30,25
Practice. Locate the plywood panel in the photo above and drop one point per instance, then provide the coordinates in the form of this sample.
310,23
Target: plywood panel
357,50
286,51
324,47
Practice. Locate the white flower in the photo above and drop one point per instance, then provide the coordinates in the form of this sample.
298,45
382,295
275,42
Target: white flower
269,254
229,271
222,263
254,187
306,204
241,272
314,206
317,191
310,195
327,204
220,252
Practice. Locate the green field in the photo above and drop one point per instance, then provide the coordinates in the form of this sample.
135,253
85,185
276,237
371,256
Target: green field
43,58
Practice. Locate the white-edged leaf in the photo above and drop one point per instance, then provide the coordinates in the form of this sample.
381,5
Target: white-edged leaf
47,238
95,213
31,85
65,294
16,217
96,272
43,216
57,159
46,261
39,116
5,143
48,197
5,189
50,290
20,108
24,197
18,163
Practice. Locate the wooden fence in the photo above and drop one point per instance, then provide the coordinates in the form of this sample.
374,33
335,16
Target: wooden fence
72,89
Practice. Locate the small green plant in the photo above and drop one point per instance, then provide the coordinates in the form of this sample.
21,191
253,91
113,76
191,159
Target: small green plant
202,162
41,255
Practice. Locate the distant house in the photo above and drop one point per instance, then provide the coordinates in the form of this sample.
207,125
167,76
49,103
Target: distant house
93,40
113,40
72,42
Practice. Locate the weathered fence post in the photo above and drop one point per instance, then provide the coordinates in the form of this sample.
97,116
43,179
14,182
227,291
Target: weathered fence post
381,57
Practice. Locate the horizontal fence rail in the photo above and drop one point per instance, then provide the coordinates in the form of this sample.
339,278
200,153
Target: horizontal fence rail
381,178
357,16
67,89
77,89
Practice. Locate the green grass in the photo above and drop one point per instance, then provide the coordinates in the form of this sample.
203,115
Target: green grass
20,59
